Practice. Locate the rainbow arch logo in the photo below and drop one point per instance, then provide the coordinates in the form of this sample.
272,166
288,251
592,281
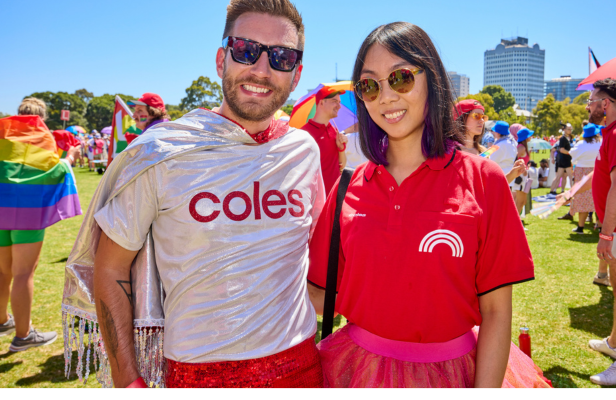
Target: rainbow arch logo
442,236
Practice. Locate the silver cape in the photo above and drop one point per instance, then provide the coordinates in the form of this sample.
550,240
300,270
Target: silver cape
197,131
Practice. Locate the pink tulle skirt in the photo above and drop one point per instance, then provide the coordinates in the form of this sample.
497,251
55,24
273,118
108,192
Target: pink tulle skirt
355,358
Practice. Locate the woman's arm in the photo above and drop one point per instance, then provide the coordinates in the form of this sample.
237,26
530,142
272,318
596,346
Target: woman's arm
494,339
317,298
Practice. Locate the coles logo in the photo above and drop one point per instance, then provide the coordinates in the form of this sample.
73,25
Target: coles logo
256,205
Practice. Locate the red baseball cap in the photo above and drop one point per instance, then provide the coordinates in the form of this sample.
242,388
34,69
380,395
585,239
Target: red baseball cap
468,105
325,92
149,99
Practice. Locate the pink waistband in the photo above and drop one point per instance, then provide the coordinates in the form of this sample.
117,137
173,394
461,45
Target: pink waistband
413,352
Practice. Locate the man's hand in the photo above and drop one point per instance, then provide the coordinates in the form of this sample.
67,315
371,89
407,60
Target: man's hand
341,141
604,251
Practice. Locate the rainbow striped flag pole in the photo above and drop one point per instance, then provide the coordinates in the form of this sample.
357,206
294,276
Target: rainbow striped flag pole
37,189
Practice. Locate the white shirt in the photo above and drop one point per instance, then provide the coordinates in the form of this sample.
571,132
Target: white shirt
544,172
353,151
230,227
505,155
584,154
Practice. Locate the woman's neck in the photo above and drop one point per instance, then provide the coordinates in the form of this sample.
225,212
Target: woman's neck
468,140
404,156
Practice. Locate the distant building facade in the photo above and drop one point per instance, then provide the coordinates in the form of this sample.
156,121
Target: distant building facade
518,68
563,87
461,83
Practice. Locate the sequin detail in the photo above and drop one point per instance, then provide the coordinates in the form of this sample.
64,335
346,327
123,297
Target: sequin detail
297,367
148,350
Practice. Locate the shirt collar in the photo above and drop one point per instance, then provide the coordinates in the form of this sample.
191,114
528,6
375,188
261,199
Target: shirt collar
435,164
276,129
318,125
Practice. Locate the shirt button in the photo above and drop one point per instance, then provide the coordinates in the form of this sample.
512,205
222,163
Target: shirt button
397,207
391,189
379,172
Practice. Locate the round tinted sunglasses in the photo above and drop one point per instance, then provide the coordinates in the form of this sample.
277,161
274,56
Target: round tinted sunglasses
477,116
246,51
401,81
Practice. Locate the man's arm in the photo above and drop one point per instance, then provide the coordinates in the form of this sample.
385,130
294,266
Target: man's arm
114,308
494,339
609,222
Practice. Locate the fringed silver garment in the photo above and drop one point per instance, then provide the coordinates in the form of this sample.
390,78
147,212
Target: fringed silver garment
198,130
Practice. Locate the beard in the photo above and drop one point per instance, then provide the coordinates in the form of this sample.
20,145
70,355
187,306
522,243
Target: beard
253,110
596,117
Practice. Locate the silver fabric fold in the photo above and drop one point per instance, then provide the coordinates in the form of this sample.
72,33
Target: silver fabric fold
198,130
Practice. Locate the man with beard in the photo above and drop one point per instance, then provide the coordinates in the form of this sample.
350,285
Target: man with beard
602,111
229,223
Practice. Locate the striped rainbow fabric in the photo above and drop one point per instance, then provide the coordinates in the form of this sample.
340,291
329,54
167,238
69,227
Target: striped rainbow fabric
36,188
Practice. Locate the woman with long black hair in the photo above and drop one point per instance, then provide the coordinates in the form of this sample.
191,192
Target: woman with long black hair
430,238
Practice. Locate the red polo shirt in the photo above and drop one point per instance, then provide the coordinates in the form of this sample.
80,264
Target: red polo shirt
325,136
605,163
415,258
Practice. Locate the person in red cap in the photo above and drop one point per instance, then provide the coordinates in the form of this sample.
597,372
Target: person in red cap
471,115
331,143
149,111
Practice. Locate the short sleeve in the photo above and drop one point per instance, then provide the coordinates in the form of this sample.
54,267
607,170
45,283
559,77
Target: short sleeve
127,218
320,243
504,257
564,143
610,151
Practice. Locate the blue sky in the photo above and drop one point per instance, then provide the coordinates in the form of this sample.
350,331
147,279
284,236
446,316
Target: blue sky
159,46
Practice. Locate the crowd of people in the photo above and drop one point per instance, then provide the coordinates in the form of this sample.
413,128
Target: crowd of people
212,244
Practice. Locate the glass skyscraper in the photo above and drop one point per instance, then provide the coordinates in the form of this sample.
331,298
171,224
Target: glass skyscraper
518,68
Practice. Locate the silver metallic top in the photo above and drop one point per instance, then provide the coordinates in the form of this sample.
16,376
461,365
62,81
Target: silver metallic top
232,262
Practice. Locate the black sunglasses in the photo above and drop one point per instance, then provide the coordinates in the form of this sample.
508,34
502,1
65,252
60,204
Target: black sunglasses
246,51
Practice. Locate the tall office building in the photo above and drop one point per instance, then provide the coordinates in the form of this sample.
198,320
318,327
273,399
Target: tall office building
563,87
518,68
461,83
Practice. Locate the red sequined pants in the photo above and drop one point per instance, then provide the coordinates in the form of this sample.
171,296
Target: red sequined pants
297,367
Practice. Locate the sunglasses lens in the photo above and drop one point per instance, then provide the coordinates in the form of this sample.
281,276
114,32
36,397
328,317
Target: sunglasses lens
368,89
245,51
402,81
283,59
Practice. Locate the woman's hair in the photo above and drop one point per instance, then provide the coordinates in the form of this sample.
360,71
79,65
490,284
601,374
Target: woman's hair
477,138
591,139
157,114
412,44
33,106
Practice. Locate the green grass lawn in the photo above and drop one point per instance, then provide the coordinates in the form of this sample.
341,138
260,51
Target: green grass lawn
562,307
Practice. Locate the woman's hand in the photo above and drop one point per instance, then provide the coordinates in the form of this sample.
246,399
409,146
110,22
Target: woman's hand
494,339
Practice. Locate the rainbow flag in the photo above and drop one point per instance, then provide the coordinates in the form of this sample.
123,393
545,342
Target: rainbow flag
36,188
489,151
123,129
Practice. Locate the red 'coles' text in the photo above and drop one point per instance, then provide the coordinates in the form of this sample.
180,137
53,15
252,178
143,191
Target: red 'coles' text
271,198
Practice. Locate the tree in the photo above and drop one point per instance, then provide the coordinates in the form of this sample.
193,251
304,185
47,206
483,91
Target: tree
508,115
175,112
3,115
202,93
84,95
502,99
581,99
288,108
56,102
99,112
551,114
